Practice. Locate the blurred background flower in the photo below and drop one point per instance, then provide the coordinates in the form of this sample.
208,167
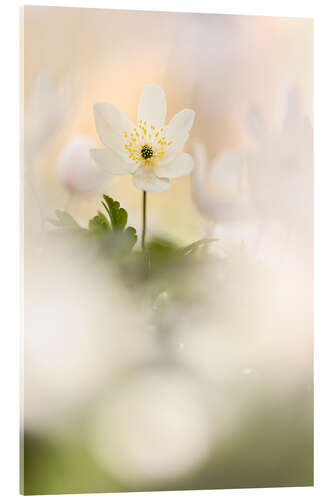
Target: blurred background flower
264,192
280,168
220,193
78,171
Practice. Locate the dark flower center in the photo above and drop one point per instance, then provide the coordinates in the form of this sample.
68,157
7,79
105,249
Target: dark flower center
147,152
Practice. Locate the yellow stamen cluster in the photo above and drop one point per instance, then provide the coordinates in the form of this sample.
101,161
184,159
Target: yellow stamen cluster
146,144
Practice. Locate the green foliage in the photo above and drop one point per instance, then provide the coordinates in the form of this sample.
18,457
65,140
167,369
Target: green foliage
109,233
164,247
118,215
112,231
99,223
130,234
161,247
165,257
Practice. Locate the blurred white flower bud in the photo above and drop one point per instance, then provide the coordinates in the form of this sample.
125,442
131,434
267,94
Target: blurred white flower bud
77,170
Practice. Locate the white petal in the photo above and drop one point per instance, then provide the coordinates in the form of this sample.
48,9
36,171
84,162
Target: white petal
152,106
110,125
181,165
112,162
144,178
179,128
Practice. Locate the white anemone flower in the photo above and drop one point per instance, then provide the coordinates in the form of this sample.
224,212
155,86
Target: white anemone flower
149,150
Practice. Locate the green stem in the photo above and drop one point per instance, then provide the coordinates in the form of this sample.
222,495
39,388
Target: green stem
144,206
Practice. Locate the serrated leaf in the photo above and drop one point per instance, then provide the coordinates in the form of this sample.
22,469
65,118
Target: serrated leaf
122,218
106,207
98,223
131,235
118,216
119,238
111,207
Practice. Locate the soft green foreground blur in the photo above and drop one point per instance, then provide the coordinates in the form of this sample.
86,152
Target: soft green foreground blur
187,367
186,371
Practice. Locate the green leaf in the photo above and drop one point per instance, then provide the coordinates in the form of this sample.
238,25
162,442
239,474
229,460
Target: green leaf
162,245
64,220
122,218
122,239
118,240
188,250
99,223
130,232
118,216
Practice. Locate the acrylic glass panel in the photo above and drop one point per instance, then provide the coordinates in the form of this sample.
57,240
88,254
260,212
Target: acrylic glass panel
167,173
